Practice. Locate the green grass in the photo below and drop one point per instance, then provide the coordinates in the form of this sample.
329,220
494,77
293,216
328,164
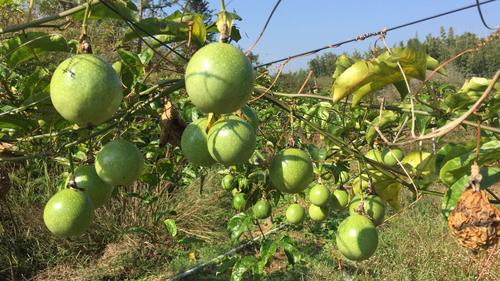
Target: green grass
415,245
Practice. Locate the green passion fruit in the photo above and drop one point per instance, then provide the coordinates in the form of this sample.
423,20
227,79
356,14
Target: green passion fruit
291,170
231,141
262,209
69,212
317,213
357,238
87,179
119,162
194,143
319,195
219,78
340,199
86,90
295,214
239,201
373,205
392,156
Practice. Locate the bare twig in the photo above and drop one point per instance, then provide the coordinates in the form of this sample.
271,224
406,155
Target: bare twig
247,52
452,125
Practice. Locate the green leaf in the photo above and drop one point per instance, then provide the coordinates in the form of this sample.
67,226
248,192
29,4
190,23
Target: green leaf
388,118
171,227
267,250
125,8
32,44
364,77
132,62
293,254
146,56
16,122
174,28
449,151
455,168
35,86
402,89
243,265
452,195
237,225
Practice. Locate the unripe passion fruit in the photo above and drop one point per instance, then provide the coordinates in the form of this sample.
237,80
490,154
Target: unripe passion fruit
69,212
87,179
119,162
357,238
295,214
291,170
219,78
262,209
319,195
231,141
317,213
373,205
86,90
194,143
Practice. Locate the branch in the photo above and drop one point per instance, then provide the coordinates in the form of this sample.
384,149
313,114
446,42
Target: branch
452,125
38,22
374,106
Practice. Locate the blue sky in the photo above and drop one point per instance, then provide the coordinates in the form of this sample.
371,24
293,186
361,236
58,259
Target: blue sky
299,26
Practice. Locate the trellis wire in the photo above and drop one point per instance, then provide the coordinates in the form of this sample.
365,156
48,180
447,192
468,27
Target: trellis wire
371,34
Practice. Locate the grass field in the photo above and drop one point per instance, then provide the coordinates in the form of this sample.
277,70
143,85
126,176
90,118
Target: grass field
126,242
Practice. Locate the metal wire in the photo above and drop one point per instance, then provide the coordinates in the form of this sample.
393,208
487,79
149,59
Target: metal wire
371,34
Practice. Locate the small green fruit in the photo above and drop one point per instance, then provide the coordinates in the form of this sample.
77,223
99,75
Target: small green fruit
119,162
229,182
317,213
231,141
219,78
86,90
87,179
319,195
373,205
69,212
392,156
357,238
291,170
295,214
262,209
239,201
340,199
194,143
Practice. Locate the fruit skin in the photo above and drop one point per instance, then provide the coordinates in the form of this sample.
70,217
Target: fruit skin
340,199
295,214
69,212
86,90
262,209
291,170
375,155
317,213
231,141
239,201
194,143
357,238
250,116
119,162
319,195
219,78
87,179
374,207
229,182
390,155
